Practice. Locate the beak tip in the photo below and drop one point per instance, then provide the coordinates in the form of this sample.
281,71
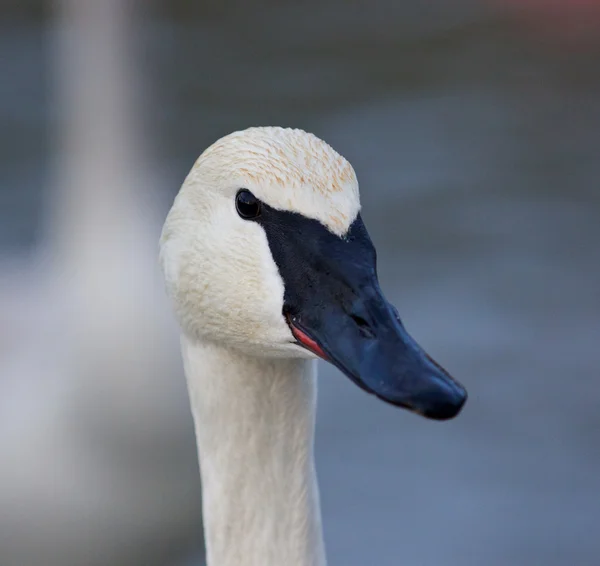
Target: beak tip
447,406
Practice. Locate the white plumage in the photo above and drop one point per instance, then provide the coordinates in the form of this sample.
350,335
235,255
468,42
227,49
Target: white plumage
252,389
96,442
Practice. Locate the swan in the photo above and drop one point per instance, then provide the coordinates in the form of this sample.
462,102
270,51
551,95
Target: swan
269,266
88,348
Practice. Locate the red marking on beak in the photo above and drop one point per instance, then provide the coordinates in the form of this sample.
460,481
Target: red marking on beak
307,342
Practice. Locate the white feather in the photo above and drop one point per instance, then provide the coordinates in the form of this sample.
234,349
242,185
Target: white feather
252,389
96,440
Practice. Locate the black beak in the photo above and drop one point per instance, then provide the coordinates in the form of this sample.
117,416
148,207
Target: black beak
371,346
335,308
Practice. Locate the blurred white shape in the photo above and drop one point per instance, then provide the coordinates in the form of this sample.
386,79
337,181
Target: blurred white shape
96,440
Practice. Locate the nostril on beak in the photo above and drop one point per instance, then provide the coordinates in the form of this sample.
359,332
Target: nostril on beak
363,325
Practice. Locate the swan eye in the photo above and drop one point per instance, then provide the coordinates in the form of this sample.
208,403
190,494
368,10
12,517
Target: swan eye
247,205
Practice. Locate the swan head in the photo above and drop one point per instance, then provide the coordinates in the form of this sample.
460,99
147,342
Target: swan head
265,251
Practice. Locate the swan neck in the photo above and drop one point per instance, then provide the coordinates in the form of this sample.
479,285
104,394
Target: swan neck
101,155
254,420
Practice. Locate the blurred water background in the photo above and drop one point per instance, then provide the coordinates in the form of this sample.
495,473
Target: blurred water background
474,128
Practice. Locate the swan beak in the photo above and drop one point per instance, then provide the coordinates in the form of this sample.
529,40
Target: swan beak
334,308
369,344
